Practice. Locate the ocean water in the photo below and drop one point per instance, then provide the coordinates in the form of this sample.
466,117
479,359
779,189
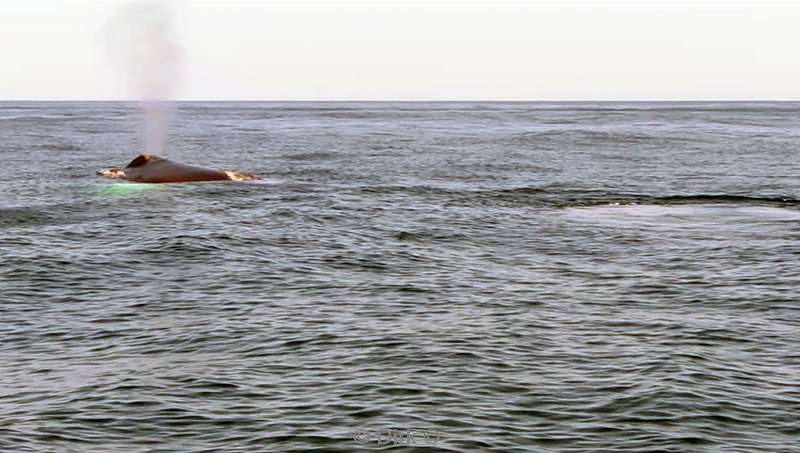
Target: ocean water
499,277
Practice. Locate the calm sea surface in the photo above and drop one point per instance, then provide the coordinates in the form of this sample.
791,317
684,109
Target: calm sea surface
503,277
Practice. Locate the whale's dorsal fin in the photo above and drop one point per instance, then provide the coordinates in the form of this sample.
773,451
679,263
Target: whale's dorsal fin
142,159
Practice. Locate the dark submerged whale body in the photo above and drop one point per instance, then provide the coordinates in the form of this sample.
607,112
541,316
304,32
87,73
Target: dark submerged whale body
148,168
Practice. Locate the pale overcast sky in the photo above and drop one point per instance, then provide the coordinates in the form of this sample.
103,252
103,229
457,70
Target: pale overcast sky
419,50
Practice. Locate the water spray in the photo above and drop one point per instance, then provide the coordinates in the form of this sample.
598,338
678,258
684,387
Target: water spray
143,47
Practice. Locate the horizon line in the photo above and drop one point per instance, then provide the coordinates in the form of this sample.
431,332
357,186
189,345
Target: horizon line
408,100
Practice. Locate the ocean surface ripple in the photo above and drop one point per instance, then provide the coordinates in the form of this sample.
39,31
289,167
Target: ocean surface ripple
500,277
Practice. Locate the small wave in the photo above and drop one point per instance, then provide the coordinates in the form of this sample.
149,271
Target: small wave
410,190
195,248
684,200
21,216
32,118
310,156
523,190
723,198
671,107
595,137
57,147
50,214
559,197
249,129
49,118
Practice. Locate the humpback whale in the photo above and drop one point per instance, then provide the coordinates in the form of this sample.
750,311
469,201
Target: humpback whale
149,168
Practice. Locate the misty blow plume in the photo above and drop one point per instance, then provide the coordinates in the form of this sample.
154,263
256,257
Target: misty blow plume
142,45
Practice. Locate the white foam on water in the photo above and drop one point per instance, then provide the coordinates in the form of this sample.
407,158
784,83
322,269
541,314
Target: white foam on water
687,215
270,182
